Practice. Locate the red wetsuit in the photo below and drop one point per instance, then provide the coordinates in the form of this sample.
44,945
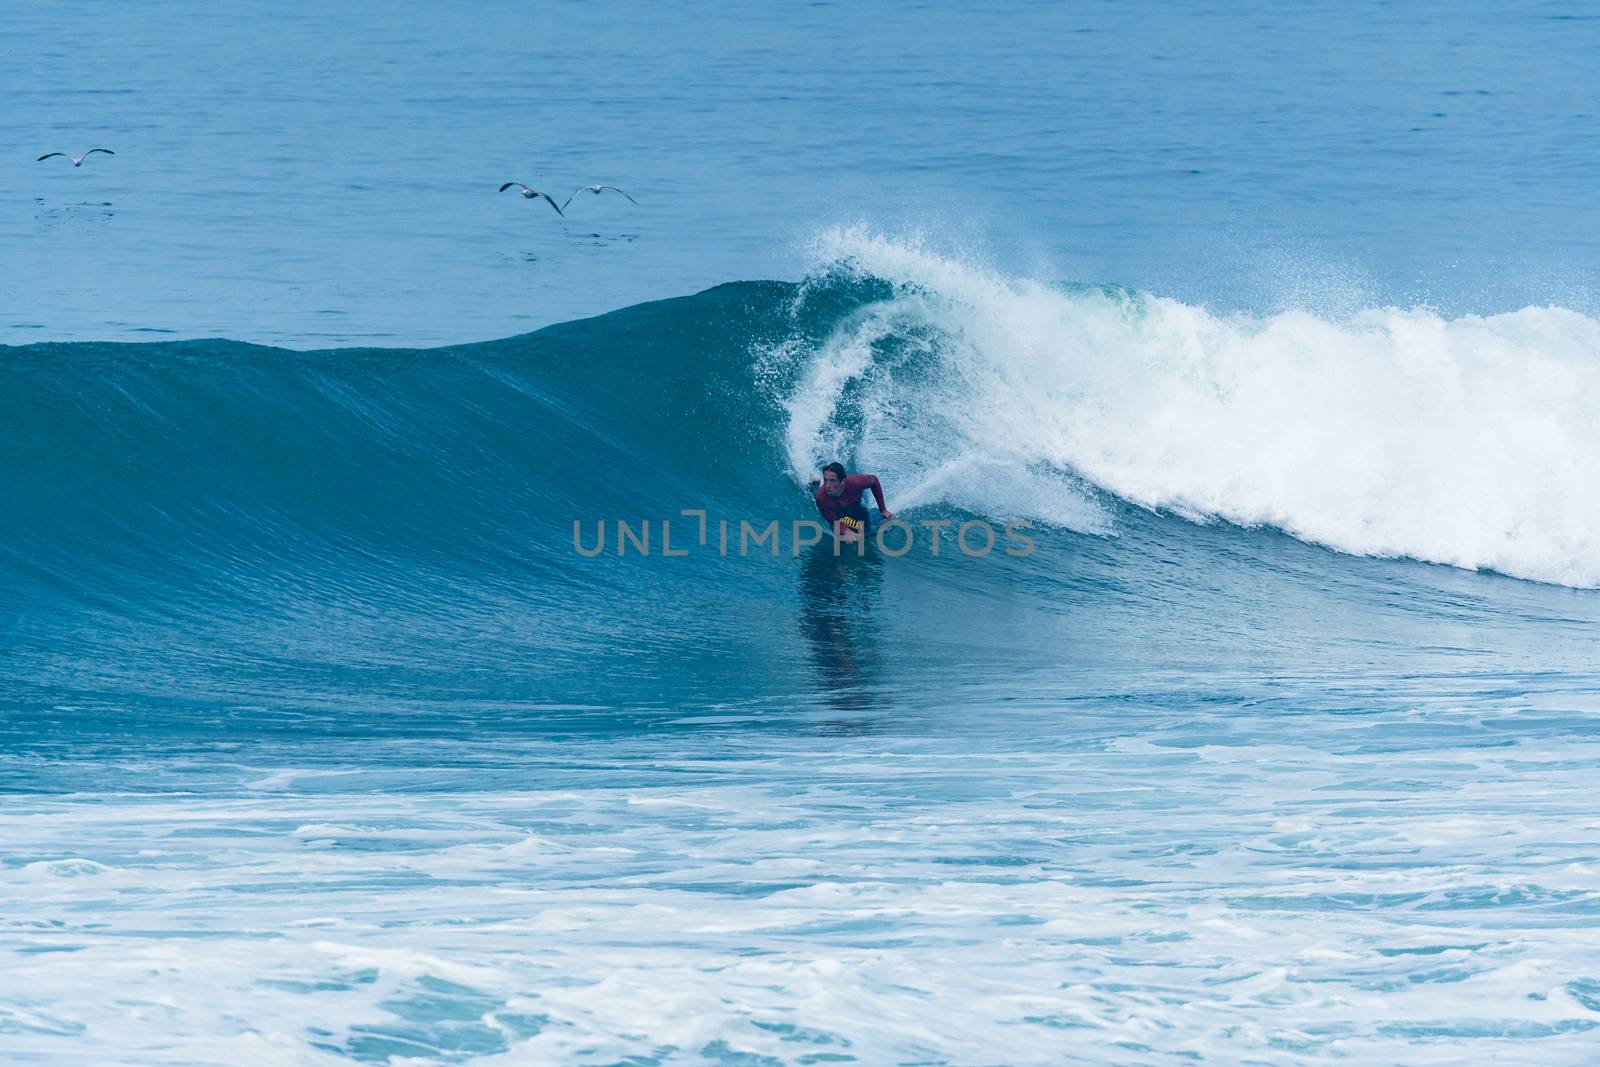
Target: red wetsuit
848,502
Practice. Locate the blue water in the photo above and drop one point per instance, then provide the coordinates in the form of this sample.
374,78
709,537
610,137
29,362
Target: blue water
310,175
322,742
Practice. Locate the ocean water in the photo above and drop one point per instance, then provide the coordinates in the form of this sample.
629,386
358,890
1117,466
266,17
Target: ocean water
317,175
1263,340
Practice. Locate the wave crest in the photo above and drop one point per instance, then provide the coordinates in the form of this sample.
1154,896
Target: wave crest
1387,432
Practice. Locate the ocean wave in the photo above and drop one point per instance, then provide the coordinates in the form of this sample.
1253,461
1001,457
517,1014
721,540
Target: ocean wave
261,528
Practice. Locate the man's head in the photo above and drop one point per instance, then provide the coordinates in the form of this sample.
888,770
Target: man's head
833,479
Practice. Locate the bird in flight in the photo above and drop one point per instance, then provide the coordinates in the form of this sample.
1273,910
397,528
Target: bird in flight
531,193
77,161
595,189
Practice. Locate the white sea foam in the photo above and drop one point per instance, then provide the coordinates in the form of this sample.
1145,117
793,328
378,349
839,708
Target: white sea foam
1387,432
1118,903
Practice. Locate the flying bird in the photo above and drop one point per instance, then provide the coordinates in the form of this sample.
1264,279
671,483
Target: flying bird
77,161
531,193
595,189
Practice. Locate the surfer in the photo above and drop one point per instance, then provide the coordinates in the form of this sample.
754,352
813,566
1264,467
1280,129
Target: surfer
838,498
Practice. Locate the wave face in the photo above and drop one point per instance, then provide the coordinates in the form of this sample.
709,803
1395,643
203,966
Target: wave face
205,517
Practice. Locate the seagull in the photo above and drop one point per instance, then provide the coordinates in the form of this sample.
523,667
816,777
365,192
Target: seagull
77,161
595,189
531,193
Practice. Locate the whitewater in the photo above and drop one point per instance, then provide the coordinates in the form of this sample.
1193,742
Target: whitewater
1387,431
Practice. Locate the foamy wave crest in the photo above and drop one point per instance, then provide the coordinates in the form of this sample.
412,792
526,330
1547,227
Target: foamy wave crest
1389,432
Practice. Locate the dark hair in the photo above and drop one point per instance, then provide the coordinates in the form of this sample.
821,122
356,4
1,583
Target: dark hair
837,468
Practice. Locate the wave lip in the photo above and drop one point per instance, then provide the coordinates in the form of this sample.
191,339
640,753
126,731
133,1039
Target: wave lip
1388,432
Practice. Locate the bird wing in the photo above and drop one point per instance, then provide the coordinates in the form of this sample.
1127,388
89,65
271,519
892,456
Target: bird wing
47,155
614,189
508,185
555,205
92,151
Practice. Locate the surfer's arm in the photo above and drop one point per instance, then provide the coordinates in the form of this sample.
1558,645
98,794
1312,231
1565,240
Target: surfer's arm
870,481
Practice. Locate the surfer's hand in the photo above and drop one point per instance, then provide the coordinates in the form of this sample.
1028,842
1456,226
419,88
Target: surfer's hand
886,516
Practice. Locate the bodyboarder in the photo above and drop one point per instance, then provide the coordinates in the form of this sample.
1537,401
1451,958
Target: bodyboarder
838,498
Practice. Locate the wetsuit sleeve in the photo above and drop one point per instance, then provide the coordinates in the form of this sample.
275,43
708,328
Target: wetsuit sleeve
870,481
